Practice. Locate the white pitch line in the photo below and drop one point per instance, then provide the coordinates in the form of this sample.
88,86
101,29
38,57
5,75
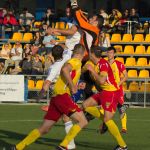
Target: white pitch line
6,121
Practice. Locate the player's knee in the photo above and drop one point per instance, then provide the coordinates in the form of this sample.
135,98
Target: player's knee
83,122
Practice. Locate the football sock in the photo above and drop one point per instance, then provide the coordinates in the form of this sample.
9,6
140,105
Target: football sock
71,135
68,126
124,121
32,136
113,129
94,111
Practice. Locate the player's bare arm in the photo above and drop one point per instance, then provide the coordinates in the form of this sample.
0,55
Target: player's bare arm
125,77
67,32
66,70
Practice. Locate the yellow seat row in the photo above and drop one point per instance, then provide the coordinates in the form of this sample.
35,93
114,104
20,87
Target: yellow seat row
129,49
131,61
17,36
135,87
134,74
35,85
130,38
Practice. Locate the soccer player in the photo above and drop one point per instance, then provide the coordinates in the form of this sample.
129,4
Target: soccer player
61,103
90,28
121,76
108,97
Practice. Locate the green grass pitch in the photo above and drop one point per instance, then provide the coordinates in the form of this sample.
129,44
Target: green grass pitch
17,120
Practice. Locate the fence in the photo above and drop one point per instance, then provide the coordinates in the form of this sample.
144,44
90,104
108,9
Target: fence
137,91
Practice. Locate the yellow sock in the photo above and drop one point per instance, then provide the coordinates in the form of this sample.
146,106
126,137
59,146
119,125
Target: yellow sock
113,129
71,135
94,111
32,136
124,122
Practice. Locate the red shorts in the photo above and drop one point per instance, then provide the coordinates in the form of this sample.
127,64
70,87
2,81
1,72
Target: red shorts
108,100
121,99
61,104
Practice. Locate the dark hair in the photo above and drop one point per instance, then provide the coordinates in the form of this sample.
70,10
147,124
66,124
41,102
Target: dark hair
97,51
100,20
57,52
79,49
111,48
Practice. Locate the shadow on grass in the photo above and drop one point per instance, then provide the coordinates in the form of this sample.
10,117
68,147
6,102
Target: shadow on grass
6,136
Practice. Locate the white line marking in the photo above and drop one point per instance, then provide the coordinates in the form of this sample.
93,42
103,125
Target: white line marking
6,121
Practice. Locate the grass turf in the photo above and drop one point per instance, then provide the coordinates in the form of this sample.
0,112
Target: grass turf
17,120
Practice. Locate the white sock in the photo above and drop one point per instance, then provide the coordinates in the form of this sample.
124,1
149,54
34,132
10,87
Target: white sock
68,126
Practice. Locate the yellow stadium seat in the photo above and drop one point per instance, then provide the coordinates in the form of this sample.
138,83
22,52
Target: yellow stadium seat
17,36
147,38
118,48
145,87
144,74
140,50
121,59
132,74
134,87
129,49
138,38
39,84
142,62
130,62
67,26
116,38
60,25
37,24
27,37
148,50
127,38
31,84
61,38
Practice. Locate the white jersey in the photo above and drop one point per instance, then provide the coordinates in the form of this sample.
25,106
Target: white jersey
72,40
55,68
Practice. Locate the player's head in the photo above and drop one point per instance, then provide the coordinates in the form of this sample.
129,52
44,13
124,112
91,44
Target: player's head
57,52
96,20
96,53
111,53
79,50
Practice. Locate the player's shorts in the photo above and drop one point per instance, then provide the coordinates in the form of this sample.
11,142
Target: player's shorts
121,99
108,100
61,104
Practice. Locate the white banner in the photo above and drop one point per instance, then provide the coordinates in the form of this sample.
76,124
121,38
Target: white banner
11,88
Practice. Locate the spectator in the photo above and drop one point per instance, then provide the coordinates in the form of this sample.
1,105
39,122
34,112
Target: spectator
27,50
48,17
43,30
114,17
26,19
4,55
104,41
16,57
49,42
37,68
27,65
134,17
37,43
9,19
68,16
104,15
48,62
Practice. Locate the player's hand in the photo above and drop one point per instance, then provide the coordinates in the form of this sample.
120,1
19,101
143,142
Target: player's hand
74,90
